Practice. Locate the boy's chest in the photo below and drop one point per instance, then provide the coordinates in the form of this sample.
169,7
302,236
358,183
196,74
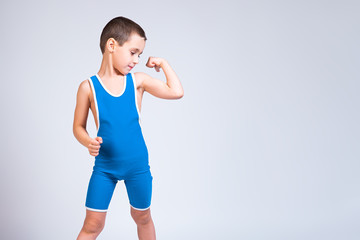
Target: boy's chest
139,95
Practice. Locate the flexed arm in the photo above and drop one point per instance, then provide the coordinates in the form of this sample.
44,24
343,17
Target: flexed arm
172,89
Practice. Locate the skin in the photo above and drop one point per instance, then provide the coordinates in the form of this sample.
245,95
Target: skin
116,63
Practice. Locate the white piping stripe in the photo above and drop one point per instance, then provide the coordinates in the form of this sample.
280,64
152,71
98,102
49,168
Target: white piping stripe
96,210
108,90
96,105
137,108
140,209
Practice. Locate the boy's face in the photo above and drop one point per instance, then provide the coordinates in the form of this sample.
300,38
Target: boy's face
125,57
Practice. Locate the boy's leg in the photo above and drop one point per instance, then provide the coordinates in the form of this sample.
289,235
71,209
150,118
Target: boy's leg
145,224
93,225
139,189
100,191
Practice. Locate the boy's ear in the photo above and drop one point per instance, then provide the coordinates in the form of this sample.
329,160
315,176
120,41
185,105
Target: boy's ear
110,44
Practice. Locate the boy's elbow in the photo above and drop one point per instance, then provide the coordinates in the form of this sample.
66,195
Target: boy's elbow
179,95
76,130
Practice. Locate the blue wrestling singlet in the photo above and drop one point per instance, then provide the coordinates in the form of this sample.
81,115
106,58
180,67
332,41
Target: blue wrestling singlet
123,154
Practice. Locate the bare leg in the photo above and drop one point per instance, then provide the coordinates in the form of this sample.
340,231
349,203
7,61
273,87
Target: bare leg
145,224
93,225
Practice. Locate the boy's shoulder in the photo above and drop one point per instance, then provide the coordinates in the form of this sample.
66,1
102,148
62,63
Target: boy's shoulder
85,88
139,78
85,85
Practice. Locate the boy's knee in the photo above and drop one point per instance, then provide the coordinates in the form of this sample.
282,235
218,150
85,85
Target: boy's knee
93,226
141,217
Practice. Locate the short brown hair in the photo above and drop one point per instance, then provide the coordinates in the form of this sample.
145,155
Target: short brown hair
120,28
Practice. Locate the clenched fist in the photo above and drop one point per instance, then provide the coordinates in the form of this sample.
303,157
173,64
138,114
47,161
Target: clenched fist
155,62
94,146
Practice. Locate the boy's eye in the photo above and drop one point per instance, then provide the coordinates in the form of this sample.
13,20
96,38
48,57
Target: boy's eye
132,53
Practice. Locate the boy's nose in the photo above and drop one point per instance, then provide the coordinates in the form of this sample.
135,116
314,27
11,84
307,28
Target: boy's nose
136,59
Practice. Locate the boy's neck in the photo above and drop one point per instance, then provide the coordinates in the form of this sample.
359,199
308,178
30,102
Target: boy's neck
107,70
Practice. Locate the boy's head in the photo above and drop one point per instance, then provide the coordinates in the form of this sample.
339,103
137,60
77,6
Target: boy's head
120,28
124,40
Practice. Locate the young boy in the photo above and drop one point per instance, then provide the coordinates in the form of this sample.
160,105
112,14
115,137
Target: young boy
114,96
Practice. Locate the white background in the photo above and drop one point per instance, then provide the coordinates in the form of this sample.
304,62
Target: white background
263,145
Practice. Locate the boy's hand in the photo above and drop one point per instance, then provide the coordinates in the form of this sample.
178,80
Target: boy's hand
155,62
94,146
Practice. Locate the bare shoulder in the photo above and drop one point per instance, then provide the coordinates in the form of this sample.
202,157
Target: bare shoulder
84,88
139,79
82,104
84,93
143,80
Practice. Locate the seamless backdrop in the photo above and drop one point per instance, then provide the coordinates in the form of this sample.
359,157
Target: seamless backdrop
263,145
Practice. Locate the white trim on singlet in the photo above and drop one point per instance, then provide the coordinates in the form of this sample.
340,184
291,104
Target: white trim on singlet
96,210
137,108
140,209
96,105
102,84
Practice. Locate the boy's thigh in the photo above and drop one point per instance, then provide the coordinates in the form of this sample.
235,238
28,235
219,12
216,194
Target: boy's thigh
100,190
139,190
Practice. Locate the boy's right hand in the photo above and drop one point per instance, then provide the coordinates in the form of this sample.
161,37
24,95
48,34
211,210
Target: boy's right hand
94,146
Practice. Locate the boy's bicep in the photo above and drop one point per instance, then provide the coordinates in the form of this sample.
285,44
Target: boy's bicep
82,104
157,87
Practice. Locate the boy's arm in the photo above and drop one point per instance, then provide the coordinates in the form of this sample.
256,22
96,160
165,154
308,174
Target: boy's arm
172,89
81,114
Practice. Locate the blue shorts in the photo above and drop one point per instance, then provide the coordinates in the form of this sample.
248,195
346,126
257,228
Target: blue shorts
102,185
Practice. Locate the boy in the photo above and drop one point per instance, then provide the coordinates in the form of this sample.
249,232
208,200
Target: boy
114,96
